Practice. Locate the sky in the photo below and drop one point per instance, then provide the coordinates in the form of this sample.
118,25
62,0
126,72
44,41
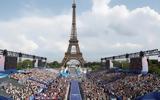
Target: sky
105,27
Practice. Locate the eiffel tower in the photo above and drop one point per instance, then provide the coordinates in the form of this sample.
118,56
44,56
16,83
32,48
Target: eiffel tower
73,42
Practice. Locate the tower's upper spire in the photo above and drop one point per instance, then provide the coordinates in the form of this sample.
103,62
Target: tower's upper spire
74,1
74,4
74,29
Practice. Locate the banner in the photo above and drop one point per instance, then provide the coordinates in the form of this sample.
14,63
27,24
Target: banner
36,63
2,62
159,58
144,64
111,63
10,63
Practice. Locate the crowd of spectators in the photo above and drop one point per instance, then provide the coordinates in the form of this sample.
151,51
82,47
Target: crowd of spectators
19,93
36,83
133,86
91,91
125,85
56,90
42,75
98,85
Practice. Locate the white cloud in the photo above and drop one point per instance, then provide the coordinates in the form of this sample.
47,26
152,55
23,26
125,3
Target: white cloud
100,6
126,45
102,31
26,45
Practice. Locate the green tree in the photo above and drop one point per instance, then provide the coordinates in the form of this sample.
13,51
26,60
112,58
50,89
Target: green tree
94,65
25,64
154,67
54,64
125,65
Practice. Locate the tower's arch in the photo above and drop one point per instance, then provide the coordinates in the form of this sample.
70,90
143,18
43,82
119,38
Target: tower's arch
73,63
76,61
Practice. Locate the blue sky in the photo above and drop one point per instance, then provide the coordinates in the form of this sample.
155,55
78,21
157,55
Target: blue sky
105,27
14,8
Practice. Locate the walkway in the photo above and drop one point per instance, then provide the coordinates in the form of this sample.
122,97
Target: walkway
75,91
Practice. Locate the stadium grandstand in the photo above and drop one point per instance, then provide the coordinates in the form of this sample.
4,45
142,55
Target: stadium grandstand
73,83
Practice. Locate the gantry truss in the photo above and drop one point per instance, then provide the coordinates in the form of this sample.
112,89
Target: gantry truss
134,55
19,54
